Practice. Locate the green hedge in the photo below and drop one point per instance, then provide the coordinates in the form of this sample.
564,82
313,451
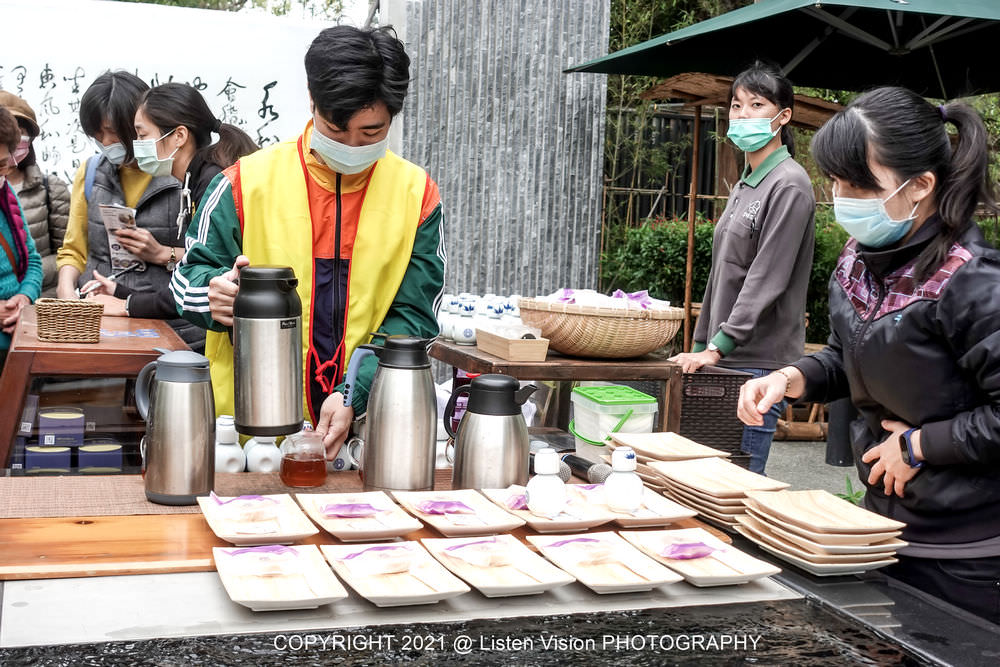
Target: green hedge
653,256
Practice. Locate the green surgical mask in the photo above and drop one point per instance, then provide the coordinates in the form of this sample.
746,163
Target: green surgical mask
751,134
145,156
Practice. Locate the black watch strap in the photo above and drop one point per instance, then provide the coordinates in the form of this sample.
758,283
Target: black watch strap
906,449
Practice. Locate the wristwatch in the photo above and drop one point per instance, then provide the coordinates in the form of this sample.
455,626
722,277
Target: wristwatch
906,449
712,347
172,262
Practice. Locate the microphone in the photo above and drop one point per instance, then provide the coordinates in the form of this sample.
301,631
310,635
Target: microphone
564,470
595,473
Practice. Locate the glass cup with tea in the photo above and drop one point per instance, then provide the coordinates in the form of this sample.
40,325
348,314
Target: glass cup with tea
303,460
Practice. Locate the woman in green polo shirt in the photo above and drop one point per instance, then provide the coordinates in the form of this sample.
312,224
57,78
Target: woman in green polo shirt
753,312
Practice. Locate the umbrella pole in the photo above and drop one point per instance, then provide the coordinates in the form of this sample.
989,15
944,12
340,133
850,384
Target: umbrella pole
692,201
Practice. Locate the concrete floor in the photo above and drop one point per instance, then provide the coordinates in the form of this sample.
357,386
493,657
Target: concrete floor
803,465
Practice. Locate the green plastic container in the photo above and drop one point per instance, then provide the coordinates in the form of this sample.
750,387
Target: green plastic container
602,410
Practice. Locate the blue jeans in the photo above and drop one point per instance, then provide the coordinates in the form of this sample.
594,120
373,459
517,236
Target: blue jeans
757,439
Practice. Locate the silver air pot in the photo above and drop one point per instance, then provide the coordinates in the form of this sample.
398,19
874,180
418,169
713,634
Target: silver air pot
267,352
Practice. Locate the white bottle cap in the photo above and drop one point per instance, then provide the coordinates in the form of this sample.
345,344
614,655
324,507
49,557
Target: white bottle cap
546,462
225,429
264,439
623,460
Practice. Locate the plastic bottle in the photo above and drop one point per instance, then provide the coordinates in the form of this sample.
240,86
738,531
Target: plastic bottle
546,492
262,454
229,455
623,486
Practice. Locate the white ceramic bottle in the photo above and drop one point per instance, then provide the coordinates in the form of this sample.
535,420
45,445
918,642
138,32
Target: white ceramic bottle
546,492
262,454
464,328
623,487
229,455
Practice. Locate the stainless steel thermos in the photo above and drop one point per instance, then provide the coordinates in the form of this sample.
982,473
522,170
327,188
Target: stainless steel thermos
401,430
267,352
491,446
174,396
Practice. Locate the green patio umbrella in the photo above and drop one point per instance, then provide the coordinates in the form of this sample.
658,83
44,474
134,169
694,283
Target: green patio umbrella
939,48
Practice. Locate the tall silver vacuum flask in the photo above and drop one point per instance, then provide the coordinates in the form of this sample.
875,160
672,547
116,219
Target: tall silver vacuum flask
267,352
401,430
174,396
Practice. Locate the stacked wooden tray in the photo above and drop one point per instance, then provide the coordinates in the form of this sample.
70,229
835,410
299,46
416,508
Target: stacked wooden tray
713,486
819,532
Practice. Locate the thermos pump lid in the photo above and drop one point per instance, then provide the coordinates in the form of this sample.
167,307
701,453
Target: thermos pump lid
267,292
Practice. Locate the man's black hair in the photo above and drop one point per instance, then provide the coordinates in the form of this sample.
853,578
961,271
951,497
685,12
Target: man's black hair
348,69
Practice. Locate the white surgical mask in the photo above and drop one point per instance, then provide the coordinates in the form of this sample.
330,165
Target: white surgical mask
113,153
147,159
346,159
867,220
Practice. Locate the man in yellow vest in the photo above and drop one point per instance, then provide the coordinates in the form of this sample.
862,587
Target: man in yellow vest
360,226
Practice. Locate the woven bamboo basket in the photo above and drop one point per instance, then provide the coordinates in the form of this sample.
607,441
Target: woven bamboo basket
587,331
69,320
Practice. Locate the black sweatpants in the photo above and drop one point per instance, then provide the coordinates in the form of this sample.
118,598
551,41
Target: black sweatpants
970,583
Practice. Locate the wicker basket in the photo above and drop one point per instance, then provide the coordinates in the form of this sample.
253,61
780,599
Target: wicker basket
69,320
587,331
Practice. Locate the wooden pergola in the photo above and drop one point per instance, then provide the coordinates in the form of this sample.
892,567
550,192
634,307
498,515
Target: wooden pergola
697,90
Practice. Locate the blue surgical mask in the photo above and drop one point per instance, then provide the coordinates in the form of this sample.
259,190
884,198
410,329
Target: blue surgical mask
346,159
114,153
147,159
867,221
751,134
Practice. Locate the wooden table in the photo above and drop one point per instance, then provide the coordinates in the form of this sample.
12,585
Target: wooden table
89,546
121,355
562,368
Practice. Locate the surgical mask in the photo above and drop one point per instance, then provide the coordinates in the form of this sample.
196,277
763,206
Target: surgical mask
148,161
22,150
751,134
113,153
867,221
346,159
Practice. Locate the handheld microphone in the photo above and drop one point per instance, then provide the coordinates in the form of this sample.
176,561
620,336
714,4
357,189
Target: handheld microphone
564,470
595,473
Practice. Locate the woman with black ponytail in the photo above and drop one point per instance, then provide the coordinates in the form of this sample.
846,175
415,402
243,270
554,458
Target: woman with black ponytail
175,130
915,342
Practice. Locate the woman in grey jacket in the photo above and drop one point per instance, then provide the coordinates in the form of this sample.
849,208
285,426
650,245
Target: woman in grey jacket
753,312
914,319
44,197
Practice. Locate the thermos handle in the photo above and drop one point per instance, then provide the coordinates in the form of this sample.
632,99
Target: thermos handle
142,382
449,409
360,354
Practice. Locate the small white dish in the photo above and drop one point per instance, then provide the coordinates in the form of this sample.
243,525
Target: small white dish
497,566
256,520
818,569
475,514
887,547
837,539
579,514
821,511
604,562
272,578
716,477
765,534
378,517
394,574
725,565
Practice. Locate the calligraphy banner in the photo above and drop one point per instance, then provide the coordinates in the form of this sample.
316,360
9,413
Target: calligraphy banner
249,67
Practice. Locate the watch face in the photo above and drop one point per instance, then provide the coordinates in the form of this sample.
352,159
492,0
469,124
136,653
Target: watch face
171,265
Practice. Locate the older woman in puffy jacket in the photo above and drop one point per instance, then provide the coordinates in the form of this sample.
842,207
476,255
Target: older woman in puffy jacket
915,336
20,265
44,197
